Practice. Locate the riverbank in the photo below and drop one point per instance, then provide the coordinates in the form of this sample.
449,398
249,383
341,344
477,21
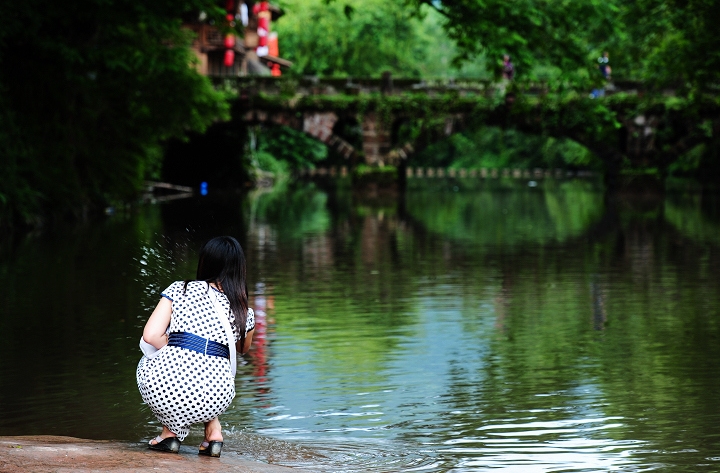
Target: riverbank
51,454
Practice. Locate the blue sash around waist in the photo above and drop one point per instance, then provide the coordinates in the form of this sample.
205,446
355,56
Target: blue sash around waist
193,342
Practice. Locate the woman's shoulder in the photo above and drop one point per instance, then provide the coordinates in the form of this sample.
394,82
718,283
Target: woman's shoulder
196,284
197,287
183,287
172,291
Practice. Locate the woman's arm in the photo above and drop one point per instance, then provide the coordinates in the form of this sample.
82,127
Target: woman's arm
248,341
157,324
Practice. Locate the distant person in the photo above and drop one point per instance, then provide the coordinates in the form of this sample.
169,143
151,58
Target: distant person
604,65
190,341
508,71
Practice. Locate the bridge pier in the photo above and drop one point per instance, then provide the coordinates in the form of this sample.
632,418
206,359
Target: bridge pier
376,140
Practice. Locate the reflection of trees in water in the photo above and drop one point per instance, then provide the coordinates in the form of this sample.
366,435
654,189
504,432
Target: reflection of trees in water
694,216
466,226
330,265
317,252
587,311
585,307
512,217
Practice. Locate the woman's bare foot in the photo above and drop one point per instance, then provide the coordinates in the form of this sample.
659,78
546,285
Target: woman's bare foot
163,435
213,433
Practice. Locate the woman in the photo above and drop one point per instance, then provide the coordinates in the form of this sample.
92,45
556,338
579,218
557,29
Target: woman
190,378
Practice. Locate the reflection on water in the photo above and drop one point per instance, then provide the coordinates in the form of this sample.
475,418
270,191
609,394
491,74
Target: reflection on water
533,329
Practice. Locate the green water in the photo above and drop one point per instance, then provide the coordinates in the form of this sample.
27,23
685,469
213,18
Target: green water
461,328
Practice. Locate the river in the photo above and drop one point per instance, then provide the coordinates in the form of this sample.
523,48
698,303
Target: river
465,327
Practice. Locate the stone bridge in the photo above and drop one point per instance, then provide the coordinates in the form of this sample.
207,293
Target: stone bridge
320,124
622,125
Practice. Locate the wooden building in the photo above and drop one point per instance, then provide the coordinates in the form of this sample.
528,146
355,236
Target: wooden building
211,44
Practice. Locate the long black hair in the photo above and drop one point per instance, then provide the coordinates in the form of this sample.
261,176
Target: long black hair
222,262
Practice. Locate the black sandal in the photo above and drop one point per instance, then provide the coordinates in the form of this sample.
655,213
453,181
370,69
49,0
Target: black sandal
170,444
211,448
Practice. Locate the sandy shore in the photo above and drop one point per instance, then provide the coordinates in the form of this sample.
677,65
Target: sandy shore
50,454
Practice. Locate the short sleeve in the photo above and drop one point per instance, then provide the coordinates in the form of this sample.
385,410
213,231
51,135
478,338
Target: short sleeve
173,291
250,324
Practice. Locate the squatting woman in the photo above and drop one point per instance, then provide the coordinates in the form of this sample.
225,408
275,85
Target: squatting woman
187,375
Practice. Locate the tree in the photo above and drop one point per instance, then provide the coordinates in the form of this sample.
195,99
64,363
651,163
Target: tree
663,42
534,32
672,42
89,91
363,38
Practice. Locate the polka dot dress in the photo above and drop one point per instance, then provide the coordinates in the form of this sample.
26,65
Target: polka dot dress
183,387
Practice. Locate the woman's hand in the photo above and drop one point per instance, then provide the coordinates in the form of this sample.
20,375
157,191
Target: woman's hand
248,341
156,327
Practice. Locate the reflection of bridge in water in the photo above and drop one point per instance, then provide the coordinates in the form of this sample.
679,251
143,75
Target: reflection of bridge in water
394,118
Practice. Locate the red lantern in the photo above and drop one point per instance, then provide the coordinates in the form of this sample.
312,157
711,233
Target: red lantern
263,28
260,7
229,58
229,41
262,10
272,43
274,50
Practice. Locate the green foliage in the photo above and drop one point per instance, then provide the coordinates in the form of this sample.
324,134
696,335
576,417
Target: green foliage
363,38
549,213
663,42
671,42
381,176
685,213
493,147
293,147
301,208
689,161
269,163
91,90
534,33
364,169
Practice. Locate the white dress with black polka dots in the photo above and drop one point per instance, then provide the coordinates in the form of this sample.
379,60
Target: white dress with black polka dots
183,387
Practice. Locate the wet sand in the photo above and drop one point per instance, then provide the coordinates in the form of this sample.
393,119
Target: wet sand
51,454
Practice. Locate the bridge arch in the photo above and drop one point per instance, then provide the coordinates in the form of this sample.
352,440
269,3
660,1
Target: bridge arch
319,125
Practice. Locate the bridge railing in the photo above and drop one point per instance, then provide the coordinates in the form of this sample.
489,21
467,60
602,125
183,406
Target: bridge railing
355,86
245,85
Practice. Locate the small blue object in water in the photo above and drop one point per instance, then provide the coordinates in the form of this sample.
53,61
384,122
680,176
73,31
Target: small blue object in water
203,188
532,184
